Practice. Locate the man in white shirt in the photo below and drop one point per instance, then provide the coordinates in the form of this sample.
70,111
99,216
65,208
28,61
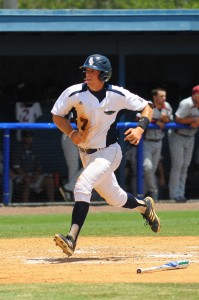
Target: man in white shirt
162,114
27,112
97,104
181,143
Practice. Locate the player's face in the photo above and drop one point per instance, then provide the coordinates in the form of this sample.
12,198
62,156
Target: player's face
92,76
92,79
160,98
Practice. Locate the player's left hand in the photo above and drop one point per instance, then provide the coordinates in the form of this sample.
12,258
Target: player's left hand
161,124
134,135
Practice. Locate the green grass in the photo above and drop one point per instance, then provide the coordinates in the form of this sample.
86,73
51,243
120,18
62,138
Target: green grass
173,223
130,291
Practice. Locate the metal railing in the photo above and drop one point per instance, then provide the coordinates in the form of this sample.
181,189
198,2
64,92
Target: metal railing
121,125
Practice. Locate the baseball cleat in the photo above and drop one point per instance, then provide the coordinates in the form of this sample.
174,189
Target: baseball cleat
66,243
150,215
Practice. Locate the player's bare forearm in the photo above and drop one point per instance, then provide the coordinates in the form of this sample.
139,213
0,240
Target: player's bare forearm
147,112
134,135
65,126
186,121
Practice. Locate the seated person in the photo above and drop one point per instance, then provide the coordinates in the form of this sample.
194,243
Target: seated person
27,169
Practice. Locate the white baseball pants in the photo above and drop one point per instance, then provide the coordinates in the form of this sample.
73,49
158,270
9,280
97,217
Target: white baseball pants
99,174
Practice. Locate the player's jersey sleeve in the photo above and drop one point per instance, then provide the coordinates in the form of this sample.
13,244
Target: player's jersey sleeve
37,110
131,101
65,102
184,108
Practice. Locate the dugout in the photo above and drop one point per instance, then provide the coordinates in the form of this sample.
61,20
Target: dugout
146,47
44,49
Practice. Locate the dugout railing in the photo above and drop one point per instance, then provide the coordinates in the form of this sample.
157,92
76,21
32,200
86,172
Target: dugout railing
7,127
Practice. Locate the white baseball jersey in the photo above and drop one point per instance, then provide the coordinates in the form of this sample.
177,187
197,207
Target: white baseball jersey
27,114
96,119
187,109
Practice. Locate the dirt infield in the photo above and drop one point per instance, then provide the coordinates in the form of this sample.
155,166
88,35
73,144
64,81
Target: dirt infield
96,260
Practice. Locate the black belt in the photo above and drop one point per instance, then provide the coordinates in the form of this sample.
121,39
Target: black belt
175,130
152,140
183,134
89,151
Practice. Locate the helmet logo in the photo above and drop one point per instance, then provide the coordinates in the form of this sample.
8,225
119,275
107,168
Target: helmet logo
91,61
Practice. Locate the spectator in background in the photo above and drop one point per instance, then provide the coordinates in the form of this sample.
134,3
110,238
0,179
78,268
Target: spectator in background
162,114
27,169
26,111
70,151
130,157
71,154
181,143
131,168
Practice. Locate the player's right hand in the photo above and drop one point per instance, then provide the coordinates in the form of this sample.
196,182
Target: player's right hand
133,135
77,137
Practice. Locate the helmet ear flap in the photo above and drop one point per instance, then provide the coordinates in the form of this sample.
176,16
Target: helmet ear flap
104,77
84,74
101,76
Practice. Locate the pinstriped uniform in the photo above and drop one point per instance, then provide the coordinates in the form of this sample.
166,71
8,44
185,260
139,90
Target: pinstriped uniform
181,143
152,149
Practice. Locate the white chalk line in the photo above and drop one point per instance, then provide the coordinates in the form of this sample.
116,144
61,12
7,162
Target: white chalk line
110,258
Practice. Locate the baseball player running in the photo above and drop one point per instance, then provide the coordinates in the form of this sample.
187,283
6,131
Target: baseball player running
97,104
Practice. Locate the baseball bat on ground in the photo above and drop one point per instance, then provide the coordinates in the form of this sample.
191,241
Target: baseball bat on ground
172,265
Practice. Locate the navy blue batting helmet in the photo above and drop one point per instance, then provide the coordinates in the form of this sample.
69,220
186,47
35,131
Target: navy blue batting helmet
100,63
